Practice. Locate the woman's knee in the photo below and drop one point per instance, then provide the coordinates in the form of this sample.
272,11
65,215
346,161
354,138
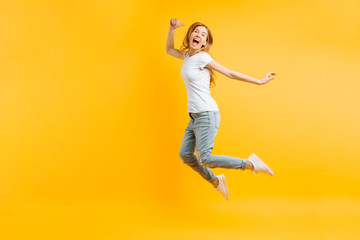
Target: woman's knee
205,159
182,154
187,158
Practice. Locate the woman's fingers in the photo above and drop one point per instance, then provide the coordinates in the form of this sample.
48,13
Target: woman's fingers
267,78
269,74
175,23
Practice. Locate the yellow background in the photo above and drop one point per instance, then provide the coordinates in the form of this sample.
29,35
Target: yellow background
93,111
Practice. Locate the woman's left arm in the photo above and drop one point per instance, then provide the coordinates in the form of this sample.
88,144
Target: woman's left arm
236,75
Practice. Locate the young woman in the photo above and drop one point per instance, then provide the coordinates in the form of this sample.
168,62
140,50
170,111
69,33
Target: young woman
197,73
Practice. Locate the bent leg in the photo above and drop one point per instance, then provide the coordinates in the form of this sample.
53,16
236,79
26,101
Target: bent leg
205,129
187,155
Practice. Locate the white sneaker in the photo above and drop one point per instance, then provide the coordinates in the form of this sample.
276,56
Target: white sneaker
259,166
222,188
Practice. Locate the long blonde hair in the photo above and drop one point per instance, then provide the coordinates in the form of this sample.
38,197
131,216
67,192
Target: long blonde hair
209,42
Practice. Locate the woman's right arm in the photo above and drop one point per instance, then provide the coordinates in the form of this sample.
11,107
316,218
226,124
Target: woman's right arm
174,23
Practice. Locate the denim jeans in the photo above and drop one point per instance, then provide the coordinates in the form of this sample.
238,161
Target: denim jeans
200,135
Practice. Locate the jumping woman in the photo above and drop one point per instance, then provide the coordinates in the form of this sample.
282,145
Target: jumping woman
197,73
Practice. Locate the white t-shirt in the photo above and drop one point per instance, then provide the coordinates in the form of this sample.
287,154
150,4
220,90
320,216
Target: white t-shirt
197,80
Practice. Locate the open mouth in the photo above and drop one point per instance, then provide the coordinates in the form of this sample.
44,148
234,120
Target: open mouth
195,42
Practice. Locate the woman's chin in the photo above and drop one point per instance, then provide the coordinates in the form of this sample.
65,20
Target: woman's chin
194,48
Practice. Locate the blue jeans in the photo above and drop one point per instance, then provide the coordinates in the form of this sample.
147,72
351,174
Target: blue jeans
200,135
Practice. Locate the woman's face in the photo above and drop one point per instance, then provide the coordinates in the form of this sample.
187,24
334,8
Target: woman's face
198,38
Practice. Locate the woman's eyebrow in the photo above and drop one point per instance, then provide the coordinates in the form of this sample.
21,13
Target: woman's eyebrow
201,31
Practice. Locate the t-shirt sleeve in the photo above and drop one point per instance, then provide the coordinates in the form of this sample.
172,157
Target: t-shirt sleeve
204,60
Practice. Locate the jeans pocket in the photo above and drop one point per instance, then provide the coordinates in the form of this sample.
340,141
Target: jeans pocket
201,119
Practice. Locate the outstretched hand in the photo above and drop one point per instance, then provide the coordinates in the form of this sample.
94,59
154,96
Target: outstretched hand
267,78
174,23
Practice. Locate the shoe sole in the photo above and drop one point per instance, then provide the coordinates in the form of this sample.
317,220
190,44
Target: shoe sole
224,181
